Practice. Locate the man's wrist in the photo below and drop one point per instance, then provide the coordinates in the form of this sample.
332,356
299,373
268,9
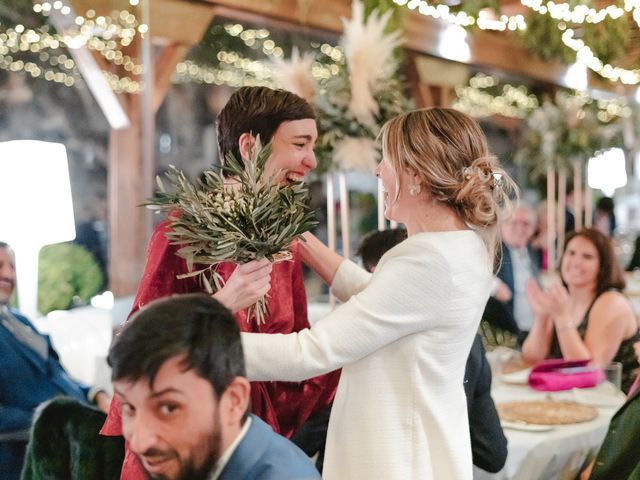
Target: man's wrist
95,391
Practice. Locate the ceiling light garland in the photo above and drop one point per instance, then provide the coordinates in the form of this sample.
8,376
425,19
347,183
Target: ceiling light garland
485,96
581,13
242,72
606,70
106,35
474,100
15,41
561,12
8,63
235,69
484,20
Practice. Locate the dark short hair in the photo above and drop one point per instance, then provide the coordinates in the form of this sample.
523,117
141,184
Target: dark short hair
605,204
194,326
259,111
5,245
610,274
375,244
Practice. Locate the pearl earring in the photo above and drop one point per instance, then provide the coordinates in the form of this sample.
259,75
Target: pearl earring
414,190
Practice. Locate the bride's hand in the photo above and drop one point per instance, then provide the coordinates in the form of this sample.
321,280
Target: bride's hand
247,284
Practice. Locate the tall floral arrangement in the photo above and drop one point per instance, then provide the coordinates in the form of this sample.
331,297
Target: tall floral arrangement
563,131
353,104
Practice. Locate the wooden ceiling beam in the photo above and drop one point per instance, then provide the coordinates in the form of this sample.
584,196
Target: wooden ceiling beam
323,15
164,67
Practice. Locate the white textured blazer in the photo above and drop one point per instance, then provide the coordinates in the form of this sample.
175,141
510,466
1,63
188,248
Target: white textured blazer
402,338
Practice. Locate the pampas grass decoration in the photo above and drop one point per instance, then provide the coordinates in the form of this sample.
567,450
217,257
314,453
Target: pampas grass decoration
369,53
356,153
295,76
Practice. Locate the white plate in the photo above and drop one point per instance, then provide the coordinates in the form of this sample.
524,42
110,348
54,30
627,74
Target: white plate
526,427
521,377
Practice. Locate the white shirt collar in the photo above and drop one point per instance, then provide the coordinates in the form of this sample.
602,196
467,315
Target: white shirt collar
224,459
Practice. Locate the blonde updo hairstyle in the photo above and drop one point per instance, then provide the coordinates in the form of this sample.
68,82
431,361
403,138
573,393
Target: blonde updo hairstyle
448,152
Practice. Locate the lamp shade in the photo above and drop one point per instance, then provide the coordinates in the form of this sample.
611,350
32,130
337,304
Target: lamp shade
36,207
607,171
36,193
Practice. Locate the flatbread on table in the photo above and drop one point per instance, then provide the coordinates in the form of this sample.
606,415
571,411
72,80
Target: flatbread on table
546,412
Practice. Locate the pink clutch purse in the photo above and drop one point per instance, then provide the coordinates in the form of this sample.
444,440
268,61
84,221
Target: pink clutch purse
558,374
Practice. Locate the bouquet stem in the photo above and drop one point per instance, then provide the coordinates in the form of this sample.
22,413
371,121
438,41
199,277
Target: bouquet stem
258,310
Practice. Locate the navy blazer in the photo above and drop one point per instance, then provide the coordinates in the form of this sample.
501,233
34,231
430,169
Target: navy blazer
27,380
265,455
488,443
505,272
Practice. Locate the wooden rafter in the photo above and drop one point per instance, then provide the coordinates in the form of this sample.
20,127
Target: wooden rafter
168,58
174,26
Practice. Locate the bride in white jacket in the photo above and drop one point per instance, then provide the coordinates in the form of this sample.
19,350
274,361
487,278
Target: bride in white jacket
403,333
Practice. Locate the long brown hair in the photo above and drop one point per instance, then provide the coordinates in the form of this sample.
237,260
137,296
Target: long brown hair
610,275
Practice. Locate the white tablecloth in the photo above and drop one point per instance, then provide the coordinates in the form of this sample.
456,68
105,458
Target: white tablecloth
553,454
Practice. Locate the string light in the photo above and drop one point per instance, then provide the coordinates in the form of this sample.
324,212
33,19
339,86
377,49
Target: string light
612,108
123,84
515,102
37,71
558,11
581,13
586,55
485,21
236,70
106,35
249,73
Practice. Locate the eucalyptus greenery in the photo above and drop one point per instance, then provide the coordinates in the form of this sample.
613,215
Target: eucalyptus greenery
235,213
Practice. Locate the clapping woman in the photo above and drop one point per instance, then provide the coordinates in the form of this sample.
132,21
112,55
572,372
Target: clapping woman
404,332
587,316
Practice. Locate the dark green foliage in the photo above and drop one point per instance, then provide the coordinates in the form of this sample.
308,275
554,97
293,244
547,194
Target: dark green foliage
65,444
609,40
543,38
67,275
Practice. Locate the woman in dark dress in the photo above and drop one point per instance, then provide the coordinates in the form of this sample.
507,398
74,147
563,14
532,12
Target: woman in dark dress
587,316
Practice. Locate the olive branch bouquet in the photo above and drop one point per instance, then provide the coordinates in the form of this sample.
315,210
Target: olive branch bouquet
235,213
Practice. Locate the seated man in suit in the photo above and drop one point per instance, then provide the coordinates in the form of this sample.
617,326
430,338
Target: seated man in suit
178,372
519,266
31,373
